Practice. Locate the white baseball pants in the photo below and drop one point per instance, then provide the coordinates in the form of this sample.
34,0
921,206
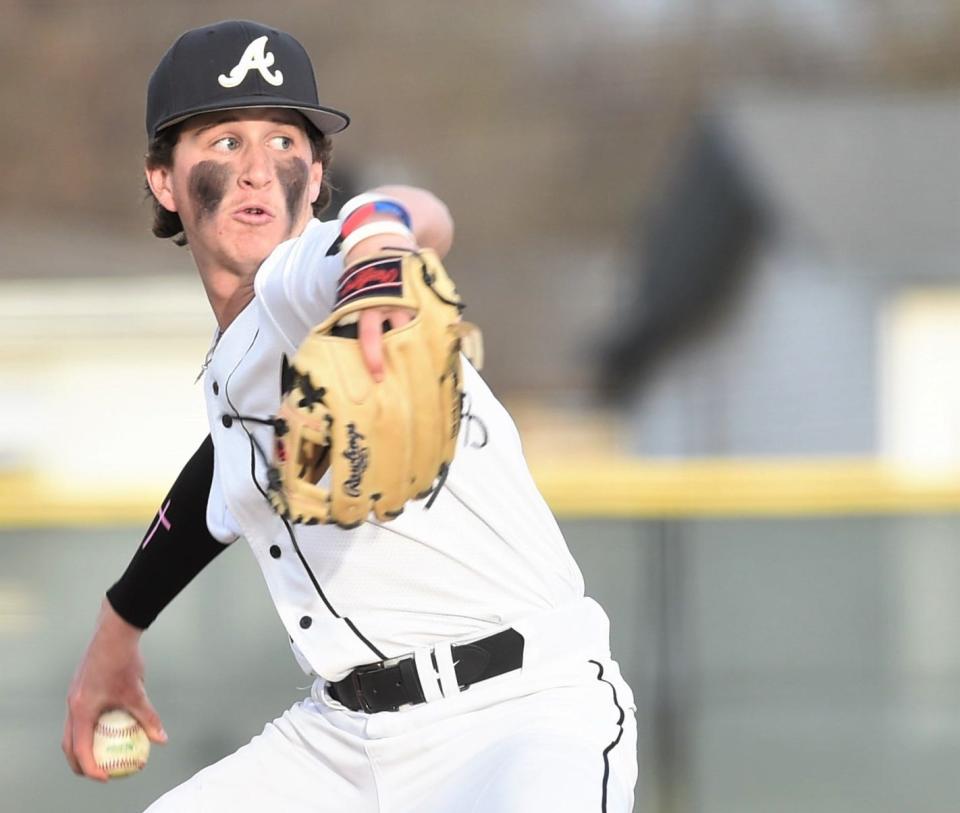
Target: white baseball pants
557,736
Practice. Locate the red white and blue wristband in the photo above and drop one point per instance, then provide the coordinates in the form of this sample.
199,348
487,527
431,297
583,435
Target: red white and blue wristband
362,207
366,230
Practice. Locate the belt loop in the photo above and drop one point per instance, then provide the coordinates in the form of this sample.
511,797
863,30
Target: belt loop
445,666
428,675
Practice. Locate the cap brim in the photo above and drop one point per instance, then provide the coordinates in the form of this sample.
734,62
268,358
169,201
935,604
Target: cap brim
325,119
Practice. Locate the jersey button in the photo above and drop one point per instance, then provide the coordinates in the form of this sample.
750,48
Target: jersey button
227,421
305,622
216,388
275,551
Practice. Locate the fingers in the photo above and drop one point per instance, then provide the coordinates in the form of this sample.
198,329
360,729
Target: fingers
147,716
373,322
399,317
77,743
82,715
110,676
67,744
83,750
369,333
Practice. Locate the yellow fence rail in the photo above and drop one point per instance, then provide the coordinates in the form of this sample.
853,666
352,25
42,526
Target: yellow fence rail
624,488
581,487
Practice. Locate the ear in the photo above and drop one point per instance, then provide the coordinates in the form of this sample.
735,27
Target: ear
316,180
160,183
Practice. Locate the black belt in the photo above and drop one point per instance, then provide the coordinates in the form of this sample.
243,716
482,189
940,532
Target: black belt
385,686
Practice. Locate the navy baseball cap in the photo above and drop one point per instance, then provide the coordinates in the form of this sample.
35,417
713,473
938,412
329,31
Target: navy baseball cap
231,65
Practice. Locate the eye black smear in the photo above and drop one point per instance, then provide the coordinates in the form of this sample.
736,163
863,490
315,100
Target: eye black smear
293,175
208,184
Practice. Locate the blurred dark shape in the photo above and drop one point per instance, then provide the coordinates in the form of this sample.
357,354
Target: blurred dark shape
692,255
343,186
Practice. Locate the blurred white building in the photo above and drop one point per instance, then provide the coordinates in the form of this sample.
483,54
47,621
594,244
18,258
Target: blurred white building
797,284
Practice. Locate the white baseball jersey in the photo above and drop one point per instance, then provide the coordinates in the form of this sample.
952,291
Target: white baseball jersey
481,553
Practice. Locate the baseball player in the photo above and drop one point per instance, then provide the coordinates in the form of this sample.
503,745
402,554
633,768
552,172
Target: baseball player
457,664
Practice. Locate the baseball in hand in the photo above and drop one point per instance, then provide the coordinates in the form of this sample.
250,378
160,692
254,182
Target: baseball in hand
120,745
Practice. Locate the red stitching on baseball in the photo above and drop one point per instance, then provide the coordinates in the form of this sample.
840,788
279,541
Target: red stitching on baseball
111,731
122,763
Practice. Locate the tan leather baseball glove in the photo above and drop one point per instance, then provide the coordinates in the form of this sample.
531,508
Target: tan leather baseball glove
385,443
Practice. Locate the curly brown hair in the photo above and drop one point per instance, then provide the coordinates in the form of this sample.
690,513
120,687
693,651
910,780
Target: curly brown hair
160,154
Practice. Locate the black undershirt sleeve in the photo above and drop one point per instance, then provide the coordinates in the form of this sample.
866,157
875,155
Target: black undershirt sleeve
175,548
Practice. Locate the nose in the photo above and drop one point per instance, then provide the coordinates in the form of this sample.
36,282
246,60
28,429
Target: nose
256,169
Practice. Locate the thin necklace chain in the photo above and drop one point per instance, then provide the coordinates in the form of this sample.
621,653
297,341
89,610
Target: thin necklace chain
209,357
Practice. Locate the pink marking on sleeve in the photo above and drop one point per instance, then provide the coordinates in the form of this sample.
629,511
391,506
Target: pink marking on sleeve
161,520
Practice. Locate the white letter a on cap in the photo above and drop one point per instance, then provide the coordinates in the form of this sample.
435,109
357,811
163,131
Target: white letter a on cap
255,58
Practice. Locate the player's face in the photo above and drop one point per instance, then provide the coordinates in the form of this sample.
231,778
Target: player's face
242,181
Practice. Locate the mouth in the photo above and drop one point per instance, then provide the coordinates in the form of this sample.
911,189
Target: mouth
253,214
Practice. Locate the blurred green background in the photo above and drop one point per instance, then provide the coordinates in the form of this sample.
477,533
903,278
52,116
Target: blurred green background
713,247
